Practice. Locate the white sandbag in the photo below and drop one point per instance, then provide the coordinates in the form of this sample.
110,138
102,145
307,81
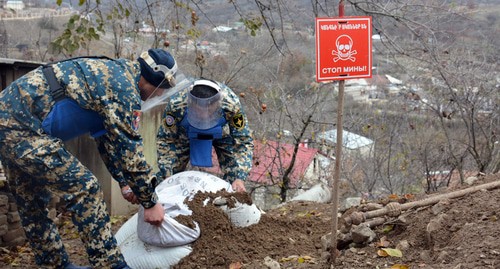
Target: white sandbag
243,215
127,229
318,193
170,233
193,181
171,194
140,255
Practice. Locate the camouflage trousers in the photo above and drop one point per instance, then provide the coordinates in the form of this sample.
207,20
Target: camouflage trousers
37,167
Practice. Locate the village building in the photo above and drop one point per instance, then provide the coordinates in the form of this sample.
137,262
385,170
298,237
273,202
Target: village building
352,144
14,4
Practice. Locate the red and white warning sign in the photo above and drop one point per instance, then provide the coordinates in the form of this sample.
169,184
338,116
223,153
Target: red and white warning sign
343,48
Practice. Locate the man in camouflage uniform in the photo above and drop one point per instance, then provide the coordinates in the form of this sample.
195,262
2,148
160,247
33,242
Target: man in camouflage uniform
205,114
101,96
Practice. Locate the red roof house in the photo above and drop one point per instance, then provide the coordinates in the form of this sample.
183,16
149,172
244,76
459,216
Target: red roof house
272,158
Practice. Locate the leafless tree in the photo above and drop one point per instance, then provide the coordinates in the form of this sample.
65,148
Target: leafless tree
435,40
4,41
47,29
444,50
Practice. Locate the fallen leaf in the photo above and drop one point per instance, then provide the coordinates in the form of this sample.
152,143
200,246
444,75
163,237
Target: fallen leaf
393,252
286,259
393,197
387,228
299,259
409,196
382,253
117,219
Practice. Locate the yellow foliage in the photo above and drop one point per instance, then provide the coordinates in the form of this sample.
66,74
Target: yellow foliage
393,252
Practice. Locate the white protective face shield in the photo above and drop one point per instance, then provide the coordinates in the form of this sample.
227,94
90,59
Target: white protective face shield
204,112
182,83
175,79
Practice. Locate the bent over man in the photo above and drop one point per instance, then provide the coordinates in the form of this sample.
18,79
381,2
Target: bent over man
64,100
207,114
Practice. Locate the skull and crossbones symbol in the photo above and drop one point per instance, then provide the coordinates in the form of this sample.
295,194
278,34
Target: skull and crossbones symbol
344,50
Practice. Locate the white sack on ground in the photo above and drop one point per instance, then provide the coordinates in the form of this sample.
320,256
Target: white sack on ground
170,232
171,194
140,255
242,215
318,193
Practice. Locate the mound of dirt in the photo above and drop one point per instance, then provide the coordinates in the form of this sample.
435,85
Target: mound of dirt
463,232
454,233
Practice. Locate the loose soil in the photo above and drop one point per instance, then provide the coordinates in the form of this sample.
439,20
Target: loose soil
467,236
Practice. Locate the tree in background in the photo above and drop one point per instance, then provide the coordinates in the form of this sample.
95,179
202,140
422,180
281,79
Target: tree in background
4,41
444,51
449,51
47,28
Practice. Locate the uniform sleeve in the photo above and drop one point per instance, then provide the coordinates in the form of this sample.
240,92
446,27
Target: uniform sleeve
105,150
235,152
172,144
122,142
125,146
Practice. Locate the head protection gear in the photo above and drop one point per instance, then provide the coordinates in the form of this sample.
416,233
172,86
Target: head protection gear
204,104
158,67
203,120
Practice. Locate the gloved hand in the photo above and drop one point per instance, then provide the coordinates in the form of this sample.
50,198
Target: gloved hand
129,195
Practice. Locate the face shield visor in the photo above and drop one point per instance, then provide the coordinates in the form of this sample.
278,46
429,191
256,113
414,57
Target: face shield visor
181,84
204,104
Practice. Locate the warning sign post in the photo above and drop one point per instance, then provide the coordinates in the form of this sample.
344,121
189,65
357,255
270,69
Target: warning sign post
343,48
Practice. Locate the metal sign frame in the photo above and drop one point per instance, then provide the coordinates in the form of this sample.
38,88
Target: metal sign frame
343,48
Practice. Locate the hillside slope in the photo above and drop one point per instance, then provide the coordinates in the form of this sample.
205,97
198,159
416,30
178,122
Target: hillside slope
457,233
464,233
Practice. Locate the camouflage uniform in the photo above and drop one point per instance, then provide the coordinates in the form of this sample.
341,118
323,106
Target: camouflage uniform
234,150
38,165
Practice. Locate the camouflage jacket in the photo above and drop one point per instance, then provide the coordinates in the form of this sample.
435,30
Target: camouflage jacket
234,150
108,87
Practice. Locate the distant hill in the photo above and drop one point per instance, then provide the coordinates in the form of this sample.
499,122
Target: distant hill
28,39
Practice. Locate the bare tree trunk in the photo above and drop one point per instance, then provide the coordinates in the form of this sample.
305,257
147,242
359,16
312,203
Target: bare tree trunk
4,44
494,165
286,176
